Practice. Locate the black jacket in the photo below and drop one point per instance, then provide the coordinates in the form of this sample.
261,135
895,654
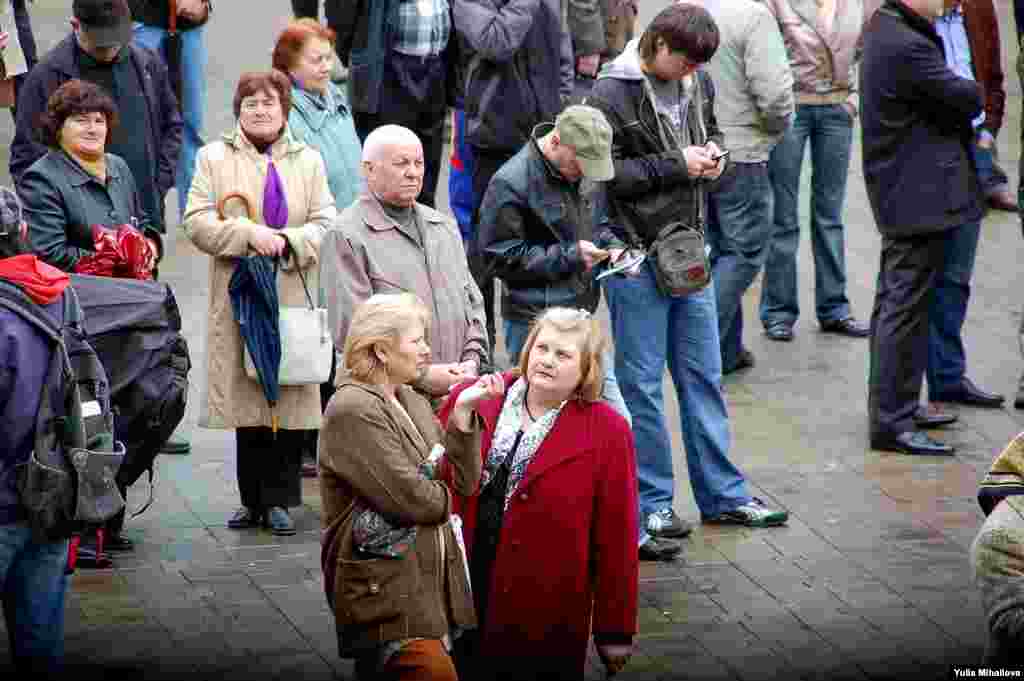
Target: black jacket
58,67
62,203
916,128
519,71
651,187
531,222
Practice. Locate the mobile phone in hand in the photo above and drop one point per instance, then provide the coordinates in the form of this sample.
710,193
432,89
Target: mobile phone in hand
718,157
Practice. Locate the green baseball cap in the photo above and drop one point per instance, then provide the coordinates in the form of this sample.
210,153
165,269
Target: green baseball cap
585,129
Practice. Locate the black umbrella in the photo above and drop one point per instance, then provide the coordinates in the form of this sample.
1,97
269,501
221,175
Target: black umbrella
253,291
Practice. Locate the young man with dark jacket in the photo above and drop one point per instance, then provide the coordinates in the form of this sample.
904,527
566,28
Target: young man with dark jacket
536,226
660,105
152,31
916,126
99,50
32,572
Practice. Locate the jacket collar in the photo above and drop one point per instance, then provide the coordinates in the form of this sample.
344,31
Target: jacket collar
77,175
285,145
914,20
379,221
315,109
569,438
65,59
417,409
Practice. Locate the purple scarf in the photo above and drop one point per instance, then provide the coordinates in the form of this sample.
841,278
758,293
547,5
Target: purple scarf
275,205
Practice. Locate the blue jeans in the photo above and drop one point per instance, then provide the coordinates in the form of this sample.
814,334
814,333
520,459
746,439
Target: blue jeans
34,584
739,230
650,330
516,332
947,310
193,95
829,129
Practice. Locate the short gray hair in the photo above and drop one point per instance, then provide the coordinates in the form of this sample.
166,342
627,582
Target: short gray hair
385,136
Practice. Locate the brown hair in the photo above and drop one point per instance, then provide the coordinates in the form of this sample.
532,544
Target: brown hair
685,28
380,319
294,38
252,82
592,347
70,99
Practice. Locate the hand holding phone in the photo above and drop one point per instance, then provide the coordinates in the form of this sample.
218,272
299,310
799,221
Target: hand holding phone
719,156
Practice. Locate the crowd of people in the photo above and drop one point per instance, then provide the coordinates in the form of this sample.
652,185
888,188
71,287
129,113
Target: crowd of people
657,165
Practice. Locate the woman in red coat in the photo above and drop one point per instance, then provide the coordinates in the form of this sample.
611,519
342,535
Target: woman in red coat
551,532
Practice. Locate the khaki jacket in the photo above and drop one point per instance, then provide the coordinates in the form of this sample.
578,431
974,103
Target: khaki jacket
229,398
369,450
366,252
824,62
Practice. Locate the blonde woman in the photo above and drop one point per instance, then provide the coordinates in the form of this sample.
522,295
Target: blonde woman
400,595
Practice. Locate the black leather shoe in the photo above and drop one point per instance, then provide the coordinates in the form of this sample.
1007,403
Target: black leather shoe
659,548
779,332
744,360
933,417
912,442
968,393
279,522
245,518
847,327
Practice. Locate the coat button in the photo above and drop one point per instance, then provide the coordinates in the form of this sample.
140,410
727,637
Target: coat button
374,588
524,496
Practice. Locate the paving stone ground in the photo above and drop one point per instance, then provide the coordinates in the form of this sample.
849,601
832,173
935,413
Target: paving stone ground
870,579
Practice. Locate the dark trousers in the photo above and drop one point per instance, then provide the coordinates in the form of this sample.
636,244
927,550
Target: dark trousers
413,95
908,271
485,164
268,467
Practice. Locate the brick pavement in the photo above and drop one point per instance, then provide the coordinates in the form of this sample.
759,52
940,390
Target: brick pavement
869,580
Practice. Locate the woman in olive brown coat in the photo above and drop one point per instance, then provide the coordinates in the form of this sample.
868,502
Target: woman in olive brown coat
394,570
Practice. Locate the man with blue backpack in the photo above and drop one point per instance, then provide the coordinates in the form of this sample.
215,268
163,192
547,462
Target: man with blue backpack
32,571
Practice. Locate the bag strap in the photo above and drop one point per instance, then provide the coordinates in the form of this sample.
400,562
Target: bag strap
302,276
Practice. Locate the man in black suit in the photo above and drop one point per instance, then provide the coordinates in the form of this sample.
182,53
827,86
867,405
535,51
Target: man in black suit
922,185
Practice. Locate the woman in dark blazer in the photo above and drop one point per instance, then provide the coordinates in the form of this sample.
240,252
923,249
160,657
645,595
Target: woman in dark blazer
77,186
555,515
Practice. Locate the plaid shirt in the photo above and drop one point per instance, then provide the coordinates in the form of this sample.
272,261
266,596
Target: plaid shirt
422,28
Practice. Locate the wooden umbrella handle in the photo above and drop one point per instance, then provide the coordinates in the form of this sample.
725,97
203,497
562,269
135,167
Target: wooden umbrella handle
241,196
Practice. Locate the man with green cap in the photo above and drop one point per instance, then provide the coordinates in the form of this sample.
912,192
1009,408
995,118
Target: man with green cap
536,226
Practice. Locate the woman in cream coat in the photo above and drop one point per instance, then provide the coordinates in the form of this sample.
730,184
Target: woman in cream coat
242,161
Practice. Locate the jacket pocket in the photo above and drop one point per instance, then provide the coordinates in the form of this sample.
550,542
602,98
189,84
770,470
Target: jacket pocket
376,590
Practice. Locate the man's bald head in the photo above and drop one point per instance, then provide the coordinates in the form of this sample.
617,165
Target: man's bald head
393,165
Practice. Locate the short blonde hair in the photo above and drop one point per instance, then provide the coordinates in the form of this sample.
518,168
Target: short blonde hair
592,347
380,320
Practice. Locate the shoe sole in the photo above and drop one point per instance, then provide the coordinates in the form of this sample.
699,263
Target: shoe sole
782,338
909,452
282,533
671,534
743,523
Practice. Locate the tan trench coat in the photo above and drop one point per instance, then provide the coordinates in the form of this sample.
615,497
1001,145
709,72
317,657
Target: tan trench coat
229,398
366,252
